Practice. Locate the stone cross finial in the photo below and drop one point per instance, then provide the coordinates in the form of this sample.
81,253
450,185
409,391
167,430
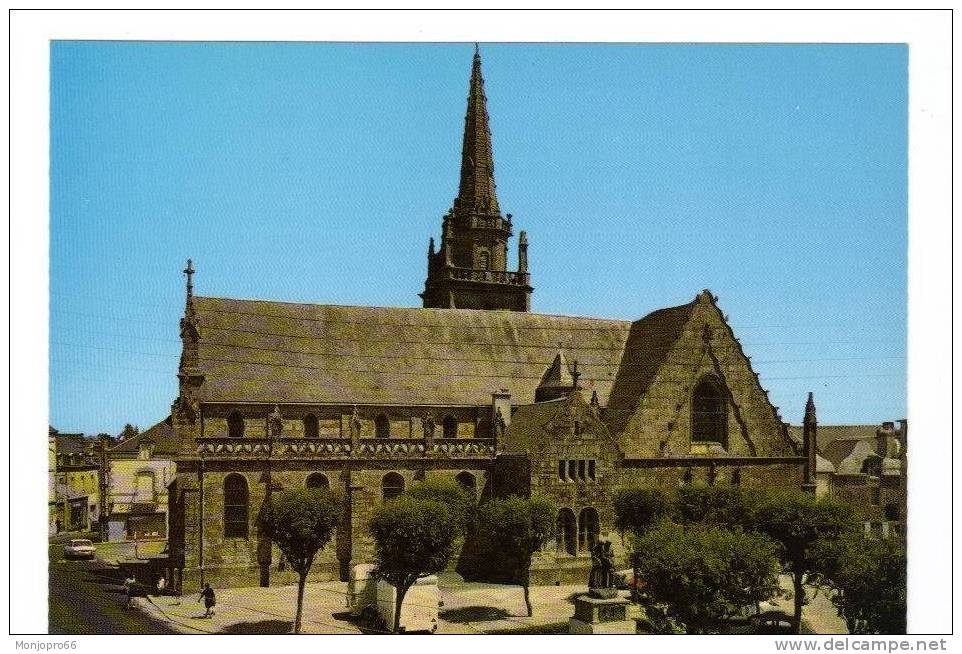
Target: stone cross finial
575,374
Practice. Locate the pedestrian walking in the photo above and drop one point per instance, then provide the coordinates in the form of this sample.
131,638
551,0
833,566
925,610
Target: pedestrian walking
162,585
129,584
207,594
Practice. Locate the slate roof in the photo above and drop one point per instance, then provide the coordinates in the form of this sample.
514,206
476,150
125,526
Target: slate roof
260,351
164,437
649,341
829,433
527,425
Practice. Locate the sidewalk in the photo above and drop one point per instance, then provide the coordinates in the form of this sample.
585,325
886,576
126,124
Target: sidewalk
257,610
469,608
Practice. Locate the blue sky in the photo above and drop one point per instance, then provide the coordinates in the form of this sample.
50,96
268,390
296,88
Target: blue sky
775,175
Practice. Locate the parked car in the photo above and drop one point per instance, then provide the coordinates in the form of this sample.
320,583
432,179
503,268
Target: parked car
362,593
419,612
373,600
79,548
772,622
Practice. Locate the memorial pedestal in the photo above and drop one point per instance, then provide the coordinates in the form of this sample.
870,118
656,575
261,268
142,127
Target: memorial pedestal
595,615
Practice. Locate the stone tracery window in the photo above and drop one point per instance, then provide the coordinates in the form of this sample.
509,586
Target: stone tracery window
382,426
709,413
310,426
317,480
450,427
466,481
484,260
392,485
235,425
235,506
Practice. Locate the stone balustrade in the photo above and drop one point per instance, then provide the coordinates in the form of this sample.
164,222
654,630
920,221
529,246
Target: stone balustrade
489,276
334,448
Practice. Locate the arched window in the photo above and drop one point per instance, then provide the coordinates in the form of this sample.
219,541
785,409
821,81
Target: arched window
310,426
450,427
466,481
567,532
588,528
317,480
235,425
737,477
382,426
709,413
235,506
484,260
391,486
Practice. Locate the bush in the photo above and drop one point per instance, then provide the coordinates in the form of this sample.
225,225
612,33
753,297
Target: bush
702,575
638,509
720,505
867,581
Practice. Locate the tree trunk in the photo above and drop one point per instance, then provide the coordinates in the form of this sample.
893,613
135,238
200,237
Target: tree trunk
301,581
525,582
401,592
799,600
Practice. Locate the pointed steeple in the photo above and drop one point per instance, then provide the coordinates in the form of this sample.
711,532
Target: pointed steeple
476,190
810,444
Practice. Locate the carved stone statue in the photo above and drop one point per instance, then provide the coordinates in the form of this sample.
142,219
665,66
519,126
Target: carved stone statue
355,428
427,423
602,577
499,425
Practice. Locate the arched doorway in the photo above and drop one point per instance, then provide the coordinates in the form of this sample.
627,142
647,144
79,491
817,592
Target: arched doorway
588,529
567,532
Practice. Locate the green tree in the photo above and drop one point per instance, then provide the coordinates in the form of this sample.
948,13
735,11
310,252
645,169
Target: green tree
636,511
302,521
413,537
517,527
463,503
129,431
701,575
639,509
801,524
867,582
720,505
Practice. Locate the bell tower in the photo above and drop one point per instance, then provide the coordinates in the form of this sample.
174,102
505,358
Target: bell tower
469,270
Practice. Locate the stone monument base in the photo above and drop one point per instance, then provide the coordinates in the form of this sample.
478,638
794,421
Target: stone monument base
594,615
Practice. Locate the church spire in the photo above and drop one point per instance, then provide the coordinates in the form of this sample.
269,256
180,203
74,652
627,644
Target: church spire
476,191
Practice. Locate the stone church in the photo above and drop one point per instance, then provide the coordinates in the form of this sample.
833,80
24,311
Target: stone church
473,387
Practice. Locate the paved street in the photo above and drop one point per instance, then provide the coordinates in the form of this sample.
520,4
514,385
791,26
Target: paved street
87,597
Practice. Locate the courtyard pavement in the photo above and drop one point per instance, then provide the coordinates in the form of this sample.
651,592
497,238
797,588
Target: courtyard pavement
469,608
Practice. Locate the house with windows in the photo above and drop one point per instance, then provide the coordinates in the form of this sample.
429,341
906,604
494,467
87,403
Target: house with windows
473,386
865,466
74,482
140,469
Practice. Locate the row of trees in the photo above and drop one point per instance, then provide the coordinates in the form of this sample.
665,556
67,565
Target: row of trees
414,534
706,553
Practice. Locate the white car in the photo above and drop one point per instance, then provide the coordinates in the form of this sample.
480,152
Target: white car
79,548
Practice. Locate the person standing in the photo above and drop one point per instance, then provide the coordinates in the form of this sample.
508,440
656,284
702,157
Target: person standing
207,594
129,584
